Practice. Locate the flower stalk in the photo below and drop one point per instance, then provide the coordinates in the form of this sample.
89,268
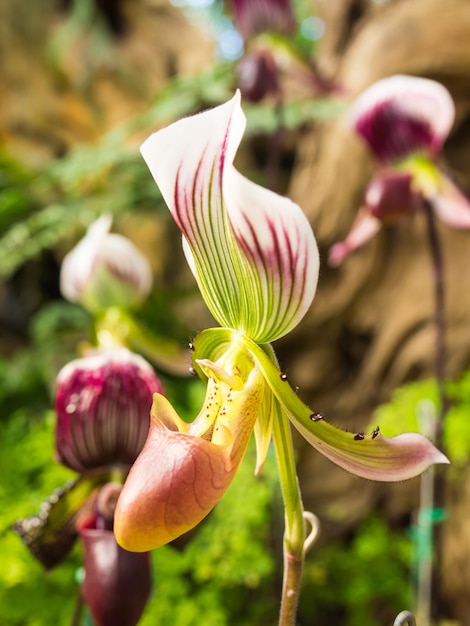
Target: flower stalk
439,317
294,531
433,484
119,327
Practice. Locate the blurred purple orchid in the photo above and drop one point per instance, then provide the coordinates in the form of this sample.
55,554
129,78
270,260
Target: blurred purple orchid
405,121
263,26
110,277
256,263
102,406
253,18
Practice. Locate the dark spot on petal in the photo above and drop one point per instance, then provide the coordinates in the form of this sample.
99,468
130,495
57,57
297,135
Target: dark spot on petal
283,376
375,432
316,417
359,437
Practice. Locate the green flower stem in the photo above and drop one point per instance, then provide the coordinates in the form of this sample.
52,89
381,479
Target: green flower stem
429,578
440,356
118,327
294,533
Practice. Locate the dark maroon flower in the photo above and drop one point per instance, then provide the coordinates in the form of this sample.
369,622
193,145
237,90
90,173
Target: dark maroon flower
257,75
117,582
103,406
390,196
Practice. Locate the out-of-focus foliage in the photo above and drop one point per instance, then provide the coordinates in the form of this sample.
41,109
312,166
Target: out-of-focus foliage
29,474
401,414
40,209
376,561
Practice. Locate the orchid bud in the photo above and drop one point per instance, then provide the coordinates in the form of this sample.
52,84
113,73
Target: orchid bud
103,403
117,583
105,270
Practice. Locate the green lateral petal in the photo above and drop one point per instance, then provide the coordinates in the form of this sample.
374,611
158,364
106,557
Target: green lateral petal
371,456
51,534
252,251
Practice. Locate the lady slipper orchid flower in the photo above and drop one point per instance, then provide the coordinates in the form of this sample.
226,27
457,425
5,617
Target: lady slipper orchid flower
405,121
184,469
105,270
256,262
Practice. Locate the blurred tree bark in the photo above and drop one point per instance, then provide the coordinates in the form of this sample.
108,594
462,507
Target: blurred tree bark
71,70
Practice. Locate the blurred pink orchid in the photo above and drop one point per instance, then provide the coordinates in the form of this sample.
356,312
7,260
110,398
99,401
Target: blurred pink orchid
105,270
405,121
